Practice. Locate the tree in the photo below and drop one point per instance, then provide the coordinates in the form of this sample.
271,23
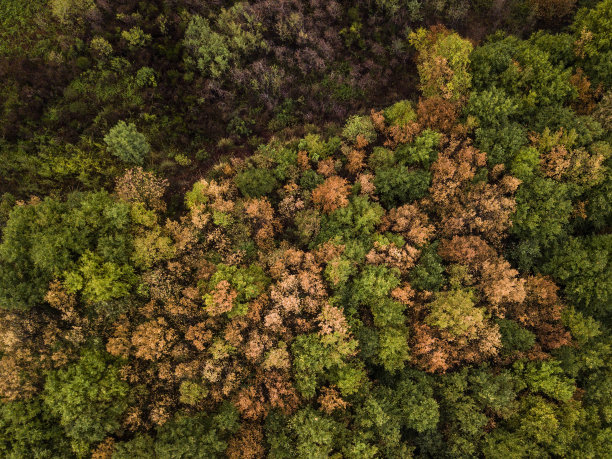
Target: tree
28,429
67,11
125,142
85,237
317,359
209,50
542,213
400,185
523,71
582,266
231,288
254,183
202,435
88,397
443,61
331,194
592,28
307,434
357,126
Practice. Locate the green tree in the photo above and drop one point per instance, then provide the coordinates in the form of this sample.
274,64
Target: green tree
400,185
428,274
51,239
28,429
592,29
89,398
254,182
125,142
524,71
318,359
359,126
543,208
443,63
200,436
208,50
582,266
141,445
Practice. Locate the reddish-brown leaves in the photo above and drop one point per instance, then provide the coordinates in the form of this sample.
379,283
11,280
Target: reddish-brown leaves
331,194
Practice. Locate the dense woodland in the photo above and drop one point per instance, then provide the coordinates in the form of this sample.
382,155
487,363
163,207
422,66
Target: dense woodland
305,229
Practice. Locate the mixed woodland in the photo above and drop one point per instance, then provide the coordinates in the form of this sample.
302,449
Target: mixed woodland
305,229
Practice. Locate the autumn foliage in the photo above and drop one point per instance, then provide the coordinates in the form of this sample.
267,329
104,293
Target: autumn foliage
395,287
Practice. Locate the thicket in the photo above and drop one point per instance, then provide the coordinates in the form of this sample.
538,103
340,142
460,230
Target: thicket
427,278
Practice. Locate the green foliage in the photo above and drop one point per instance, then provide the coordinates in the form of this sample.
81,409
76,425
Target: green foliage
525,163
542,213
455,311
254,183
100,281
501,144
19,32
67,11
428,273
372,288
443,65
523,71
145,77
209,50
202,435
125,142
400,185
319,359
514,337
310,180
381,158
101,47
89,398
592,30
307,434
353,223
373,283
359,126
27,429
492,107
582,266
141,445
559,46
85,237
192,392
411,402
400,113
422,152
548,378
136,37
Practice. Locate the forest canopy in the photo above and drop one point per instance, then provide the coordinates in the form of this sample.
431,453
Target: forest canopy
305,229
